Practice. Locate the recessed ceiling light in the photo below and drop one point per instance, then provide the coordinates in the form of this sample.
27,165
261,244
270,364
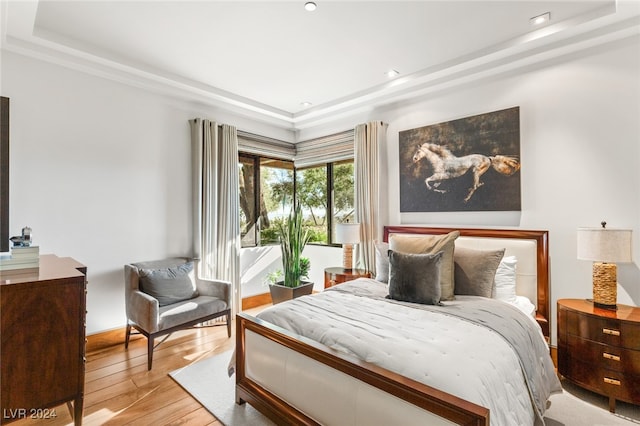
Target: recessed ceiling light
305,104
540,19
310,6
391,73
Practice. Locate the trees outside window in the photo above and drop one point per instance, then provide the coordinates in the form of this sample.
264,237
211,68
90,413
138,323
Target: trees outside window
320,189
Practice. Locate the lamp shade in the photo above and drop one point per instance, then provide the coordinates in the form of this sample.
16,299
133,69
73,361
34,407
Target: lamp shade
347,233
604,245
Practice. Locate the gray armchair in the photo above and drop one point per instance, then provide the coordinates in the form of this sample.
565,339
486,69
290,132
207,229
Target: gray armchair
164,296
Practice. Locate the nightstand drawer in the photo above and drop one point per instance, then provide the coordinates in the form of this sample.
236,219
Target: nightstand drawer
604,330
621,385
607,356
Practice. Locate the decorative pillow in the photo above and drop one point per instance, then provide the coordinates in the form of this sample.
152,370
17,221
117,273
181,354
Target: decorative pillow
431,244
505,280
475,271
169,285
382,262
415,277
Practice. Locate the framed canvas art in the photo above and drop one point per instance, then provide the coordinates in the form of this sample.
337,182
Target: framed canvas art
468,164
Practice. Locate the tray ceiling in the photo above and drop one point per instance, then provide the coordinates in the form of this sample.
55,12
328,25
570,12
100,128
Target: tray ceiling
264,58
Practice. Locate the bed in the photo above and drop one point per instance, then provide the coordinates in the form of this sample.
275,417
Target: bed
310,361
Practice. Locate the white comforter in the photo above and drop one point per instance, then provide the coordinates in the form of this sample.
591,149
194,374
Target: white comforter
462,358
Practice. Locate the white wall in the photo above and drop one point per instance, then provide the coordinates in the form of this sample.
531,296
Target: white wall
257,262
100,170
580,153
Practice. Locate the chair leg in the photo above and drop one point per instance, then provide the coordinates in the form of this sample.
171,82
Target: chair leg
229,324
149,352
128,334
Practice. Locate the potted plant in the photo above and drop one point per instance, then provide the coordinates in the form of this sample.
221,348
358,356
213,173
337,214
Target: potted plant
293,239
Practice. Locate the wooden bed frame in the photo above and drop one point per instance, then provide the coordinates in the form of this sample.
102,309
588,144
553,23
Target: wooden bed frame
445,408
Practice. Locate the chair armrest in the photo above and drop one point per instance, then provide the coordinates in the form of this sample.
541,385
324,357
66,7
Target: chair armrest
143,310
215,288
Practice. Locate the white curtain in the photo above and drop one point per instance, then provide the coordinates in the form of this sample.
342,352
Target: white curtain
367,138
216,221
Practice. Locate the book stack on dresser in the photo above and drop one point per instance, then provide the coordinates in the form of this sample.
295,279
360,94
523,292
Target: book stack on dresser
27,257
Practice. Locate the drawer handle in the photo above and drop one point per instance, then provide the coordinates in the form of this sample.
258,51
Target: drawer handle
612,381
610,356
611,332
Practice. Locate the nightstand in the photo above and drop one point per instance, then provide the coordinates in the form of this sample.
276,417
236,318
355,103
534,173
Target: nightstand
599,349
333,276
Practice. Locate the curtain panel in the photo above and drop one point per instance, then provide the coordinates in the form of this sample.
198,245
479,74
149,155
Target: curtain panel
367,138
216,223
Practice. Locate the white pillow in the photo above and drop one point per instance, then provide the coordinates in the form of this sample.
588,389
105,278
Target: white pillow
525,306
382,262
505,280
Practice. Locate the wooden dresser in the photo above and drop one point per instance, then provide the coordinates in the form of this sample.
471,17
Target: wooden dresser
599,349
43,339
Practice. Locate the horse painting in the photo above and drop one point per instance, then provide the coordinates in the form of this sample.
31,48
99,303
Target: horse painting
448,166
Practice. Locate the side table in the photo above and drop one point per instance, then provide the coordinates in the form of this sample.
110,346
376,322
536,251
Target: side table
599,349
338,275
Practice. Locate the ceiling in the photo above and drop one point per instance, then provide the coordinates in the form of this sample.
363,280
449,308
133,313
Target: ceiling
264,59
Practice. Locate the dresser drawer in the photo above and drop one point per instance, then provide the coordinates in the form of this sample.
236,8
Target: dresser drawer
606,356
604,330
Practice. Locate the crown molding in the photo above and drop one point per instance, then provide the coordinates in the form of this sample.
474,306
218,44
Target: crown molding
601,26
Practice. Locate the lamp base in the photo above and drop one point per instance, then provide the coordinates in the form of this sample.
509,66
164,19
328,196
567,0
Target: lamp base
601,306
605,285
607,307
347,256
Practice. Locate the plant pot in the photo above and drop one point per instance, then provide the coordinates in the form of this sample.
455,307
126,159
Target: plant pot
280,293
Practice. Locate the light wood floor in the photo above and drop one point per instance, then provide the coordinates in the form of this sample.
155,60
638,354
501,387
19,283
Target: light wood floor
120,391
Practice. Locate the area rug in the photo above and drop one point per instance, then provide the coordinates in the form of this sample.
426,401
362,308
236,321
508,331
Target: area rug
578,406
208,382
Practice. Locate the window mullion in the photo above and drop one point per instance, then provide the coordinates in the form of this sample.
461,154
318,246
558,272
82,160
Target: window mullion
256,200
329,203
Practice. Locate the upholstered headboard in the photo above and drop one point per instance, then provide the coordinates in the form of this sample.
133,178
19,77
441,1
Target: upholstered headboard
531,247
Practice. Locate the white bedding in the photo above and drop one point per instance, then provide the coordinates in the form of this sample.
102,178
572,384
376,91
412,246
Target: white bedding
449,353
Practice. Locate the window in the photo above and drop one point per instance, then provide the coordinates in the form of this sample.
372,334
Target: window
343,194
320,189
247,182
276,196
264,203
311,190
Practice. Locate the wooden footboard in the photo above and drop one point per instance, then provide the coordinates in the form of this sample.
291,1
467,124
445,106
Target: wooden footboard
294,380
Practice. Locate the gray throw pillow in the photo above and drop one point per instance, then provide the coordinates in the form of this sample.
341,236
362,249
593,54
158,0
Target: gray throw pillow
382,262
415,277
431,244
169,285
475,271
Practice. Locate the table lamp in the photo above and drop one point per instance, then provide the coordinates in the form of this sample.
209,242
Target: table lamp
604,246
348,234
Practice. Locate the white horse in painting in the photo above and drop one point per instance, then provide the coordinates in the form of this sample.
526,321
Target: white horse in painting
448,166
